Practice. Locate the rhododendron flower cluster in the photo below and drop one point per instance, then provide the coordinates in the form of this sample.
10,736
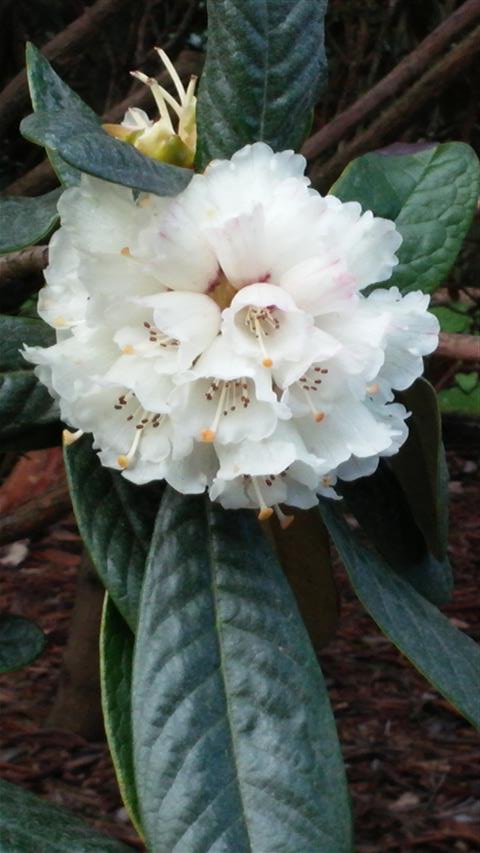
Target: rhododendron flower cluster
222,339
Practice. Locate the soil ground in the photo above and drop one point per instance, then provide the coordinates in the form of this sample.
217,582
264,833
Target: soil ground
412,761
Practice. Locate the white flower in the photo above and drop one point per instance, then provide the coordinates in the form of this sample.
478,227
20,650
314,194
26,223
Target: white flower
221,339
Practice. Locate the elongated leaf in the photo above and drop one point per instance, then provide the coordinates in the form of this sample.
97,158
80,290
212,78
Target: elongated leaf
303,551
235,743
85,145
381,508
264,68
16,331
25,404
116,521
49,93
430,193
31,825
449,659
26,221
421,468
116,660
21,641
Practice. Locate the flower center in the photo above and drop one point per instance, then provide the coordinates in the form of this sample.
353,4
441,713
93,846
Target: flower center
222,292
310,383
232,395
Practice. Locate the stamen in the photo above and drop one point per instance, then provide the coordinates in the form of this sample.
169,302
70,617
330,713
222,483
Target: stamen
264,511
125,251
373,389
209,434
157,93
71,437
285,520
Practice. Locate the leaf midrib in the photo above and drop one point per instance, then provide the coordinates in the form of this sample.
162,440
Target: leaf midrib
223,670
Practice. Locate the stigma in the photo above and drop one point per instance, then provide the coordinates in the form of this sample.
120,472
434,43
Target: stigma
232,395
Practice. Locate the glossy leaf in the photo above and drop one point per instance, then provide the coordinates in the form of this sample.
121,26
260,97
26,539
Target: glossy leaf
449,659
421,467
430,193
116,658
21,641
86,146
17,331
303,551
25,405
380,506
26,221
49,93
264,68
29,824
116,520
235,742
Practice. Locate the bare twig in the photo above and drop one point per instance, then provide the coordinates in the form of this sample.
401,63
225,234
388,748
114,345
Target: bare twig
21,264
400,112
409,69
458,346
35,514
14,97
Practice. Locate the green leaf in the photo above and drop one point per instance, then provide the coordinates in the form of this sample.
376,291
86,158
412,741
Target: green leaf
26,221
379,505
21,641
85,145
265,65
25,405
452,319
30,825
49,93
447,658
116,520
467,381
421,468
235,742
456,401
17,331
116,658
431,195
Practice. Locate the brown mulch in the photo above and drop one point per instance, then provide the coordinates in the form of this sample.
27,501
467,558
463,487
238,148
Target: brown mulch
412,761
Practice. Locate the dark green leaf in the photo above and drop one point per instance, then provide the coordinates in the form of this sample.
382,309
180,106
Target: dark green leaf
431,194
116,658
380,506
264,68
86,146
31,825
49,93
421,468
16,331
235,742
21,641
26,221
24,404
116,520
449,659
